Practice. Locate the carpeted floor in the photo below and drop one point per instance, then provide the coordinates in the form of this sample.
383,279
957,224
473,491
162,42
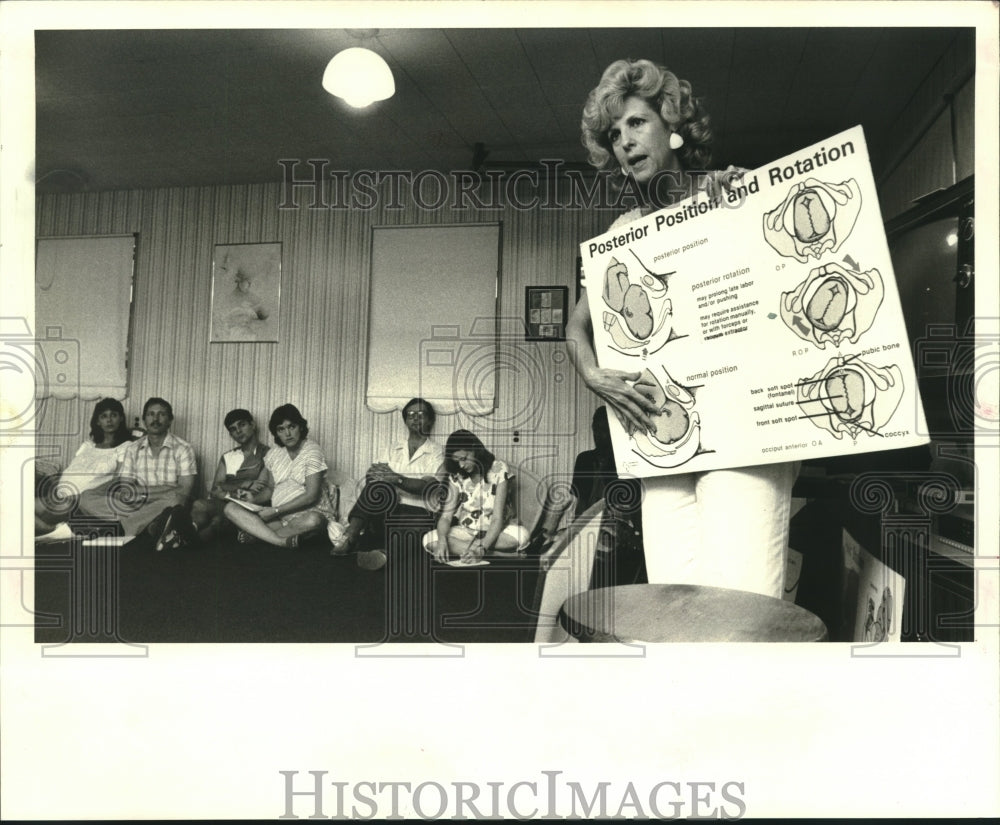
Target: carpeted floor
229,592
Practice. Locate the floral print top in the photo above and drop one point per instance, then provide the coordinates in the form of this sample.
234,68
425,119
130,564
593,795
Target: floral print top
476,499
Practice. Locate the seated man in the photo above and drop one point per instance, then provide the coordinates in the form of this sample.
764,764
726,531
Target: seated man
239,474
157,473
409,472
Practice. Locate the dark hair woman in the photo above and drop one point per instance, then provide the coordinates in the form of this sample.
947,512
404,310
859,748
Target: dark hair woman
96,462
476,519
295,470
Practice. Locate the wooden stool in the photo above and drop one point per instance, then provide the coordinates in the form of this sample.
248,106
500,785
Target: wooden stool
685,613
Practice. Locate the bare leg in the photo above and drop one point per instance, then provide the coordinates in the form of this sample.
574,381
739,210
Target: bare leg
512,541
274,532
459,541
252,524
45,519
300,525
207,518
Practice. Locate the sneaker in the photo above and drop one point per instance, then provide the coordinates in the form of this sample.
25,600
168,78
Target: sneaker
158,526
372,559
61,532
168,529
172,540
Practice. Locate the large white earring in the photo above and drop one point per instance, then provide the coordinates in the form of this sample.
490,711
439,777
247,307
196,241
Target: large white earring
676,141
624,172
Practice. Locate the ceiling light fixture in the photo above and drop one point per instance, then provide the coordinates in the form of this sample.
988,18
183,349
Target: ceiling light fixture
359,76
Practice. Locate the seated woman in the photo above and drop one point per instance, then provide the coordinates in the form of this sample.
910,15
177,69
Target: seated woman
95,463
476,519
295,474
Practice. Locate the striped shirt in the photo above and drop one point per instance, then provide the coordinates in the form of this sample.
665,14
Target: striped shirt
175,460
289,475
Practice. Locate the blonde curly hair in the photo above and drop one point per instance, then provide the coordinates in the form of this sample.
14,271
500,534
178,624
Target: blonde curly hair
664,92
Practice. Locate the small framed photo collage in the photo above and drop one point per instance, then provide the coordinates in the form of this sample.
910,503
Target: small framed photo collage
545,313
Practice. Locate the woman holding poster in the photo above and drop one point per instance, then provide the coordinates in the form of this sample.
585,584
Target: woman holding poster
723,528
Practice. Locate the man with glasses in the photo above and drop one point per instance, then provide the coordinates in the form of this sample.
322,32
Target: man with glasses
400,487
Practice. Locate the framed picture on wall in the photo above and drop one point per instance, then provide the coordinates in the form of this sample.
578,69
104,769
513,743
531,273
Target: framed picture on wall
246,293
545,311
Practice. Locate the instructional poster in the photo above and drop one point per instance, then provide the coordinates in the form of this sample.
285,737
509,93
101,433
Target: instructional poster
764,320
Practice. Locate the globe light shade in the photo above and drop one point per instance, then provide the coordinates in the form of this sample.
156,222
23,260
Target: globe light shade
359,76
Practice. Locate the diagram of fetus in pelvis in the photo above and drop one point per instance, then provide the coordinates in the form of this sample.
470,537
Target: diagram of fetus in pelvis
851,396
814,218
677,437
833,304
639,315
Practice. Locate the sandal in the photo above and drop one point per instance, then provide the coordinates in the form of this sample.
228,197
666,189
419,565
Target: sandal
244,538
292,542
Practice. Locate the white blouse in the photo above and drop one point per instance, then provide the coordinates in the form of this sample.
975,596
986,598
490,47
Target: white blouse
92,466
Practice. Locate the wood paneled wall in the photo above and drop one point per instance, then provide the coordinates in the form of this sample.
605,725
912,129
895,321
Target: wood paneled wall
319,362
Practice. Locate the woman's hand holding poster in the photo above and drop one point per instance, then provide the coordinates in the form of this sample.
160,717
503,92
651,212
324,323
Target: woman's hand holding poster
764,320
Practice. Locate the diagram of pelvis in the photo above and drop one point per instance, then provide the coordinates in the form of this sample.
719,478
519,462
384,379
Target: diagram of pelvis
638,314
851,396
833,304
814,218
677,436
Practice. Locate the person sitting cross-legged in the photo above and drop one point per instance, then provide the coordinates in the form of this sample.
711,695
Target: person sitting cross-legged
95,464
476,519
159,469
239,474
398,490
295,473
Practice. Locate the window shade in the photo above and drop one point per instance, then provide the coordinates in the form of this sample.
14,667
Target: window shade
432,317
83,295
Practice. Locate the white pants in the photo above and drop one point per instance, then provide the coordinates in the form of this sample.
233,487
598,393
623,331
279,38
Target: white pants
723,528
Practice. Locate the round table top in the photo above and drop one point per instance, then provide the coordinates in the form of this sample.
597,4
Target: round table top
686,613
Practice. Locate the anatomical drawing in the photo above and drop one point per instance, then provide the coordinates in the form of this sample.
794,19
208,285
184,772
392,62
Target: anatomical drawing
851,396
878,624
814,218
677,436
833,304
639,315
